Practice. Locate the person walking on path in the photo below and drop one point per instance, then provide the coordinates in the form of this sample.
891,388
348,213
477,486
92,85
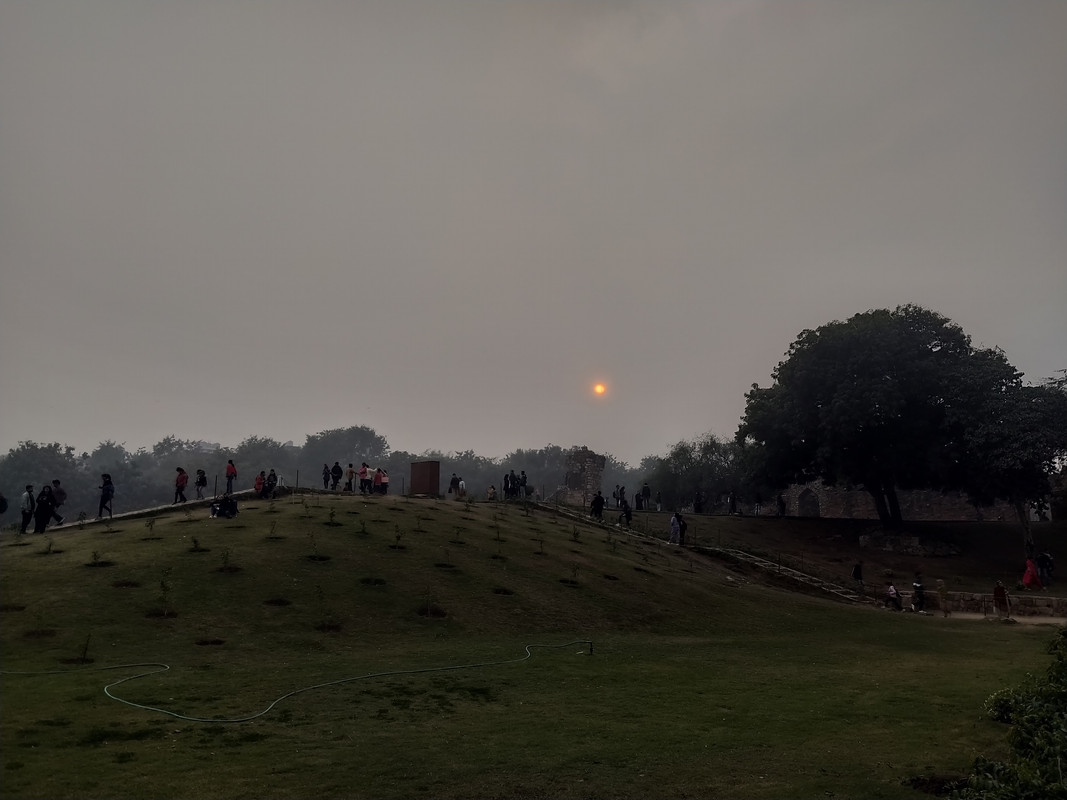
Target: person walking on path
1001,601
46,506
918,595
336,473
350,478
857,576
675,527
27,507
377,481
59,494
271,484
107,493
942,598
179,485
231,476
325,475
1031,580
892,597
363,473
385,481
200,483
596,508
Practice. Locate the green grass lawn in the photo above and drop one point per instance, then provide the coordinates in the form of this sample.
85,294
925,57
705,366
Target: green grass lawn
699,681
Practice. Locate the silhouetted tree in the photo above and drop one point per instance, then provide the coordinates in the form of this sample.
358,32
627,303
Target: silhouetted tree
888,400
347,445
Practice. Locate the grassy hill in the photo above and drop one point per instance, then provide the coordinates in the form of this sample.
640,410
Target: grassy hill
393,634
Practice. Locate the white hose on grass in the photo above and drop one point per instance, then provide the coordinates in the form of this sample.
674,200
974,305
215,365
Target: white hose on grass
159,667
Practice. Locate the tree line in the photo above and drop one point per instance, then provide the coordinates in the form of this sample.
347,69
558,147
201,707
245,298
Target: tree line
884,401
145,477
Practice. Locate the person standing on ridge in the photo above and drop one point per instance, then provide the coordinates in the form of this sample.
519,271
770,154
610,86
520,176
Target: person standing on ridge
27,508
231,476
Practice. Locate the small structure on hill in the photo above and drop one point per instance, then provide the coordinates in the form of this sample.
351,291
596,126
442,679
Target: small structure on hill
426,478
584,471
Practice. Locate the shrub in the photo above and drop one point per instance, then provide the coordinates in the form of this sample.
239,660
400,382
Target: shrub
1037,712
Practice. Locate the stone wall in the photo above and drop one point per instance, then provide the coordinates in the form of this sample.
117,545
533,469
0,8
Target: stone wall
840,502
1022,605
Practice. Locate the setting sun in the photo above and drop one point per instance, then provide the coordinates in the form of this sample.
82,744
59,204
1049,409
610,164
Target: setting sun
600,389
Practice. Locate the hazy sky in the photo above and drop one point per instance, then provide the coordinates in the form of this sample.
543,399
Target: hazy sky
448,219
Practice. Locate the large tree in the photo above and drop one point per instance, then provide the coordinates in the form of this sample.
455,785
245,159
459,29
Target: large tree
1014,446
347,445
884,400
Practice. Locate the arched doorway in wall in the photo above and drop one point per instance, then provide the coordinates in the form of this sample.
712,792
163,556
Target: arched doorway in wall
808,504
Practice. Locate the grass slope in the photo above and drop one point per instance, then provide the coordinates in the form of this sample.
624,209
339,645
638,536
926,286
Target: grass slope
699,681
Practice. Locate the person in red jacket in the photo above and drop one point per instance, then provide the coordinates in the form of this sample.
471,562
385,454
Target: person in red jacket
179,485
231,476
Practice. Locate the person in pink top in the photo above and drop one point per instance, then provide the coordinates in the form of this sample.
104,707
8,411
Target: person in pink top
1030,577
179,485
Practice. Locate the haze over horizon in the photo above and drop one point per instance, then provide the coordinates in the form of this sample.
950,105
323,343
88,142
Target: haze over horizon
448,221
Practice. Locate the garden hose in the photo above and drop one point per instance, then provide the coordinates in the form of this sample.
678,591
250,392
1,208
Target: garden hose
159,667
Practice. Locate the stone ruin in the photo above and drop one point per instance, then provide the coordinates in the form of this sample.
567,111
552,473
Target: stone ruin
584,471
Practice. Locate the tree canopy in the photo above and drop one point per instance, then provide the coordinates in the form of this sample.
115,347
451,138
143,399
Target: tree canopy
901,399
707,465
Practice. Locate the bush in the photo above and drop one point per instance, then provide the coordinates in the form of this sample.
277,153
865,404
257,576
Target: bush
1001,705
1037,760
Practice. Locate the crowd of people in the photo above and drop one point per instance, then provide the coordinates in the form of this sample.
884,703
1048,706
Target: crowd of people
512,487
1037,574
42,507
370,481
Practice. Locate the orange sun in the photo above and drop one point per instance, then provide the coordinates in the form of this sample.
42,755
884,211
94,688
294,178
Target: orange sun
600,389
